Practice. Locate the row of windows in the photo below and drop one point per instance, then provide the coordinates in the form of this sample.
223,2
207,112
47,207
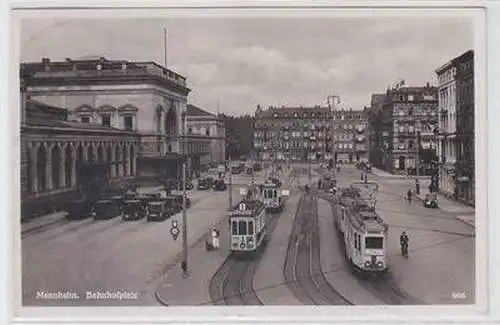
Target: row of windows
242,227
411,98
106,121
320,114
315,126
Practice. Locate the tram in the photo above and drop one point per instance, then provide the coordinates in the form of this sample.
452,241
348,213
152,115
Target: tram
362,230
274,198
248,225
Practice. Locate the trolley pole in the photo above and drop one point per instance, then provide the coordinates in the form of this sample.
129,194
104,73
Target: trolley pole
184,211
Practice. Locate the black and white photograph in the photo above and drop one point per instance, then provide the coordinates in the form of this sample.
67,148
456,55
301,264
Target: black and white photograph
250,160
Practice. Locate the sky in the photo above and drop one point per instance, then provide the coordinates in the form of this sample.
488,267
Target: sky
240,63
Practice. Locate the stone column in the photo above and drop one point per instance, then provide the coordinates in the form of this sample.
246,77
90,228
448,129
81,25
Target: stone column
113,160
48,168
34,162
62,170
73,166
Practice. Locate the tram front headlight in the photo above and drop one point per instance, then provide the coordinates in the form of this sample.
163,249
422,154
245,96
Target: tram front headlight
380,264
367,264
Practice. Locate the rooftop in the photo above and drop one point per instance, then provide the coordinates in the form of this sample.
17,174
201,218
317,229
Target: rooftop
314,111
196,111
101,67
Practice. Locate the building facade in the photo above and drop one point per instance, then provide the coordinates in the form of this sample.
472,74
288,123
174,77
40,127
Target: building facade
408,118
310,133
54,151
447,128
134,96
211,127
465,135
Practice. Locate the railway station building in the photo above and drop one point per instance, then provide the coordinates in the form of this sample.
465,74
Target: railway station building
141,97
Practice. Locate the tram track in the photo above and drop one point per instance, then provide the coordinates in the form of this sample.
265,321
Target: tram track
302,269
232,283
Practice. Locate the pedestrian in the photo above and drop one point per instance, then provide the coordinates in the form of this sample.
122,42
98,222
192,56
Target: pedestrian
185,273
409,196
215,238
403,242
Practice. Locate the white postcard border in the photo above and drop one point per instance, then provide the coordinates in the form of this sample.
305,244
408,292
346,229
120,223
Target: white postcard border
295,314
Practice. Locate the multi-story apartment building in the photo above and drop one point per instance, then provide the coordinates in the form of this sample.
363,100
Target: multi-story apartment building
135,96
310,133
465,165
447,128
406,113
456,128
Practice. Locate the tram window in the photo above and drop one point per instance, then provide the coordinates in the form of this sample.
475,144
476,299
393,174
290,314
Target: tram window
250,227
359,243
234,228
374,242
355,241
242,227
275,194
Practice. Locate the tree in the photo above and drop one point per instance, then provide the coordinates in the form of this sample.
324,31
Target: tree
239,134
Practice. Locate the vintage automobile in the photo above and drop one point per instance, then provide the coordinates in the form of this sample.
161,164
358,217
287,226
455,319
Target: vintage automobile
189,185
133,210
145,198
78,209
178,197
173,203
220,185
205,183
275,181
159,210
105,209
431,201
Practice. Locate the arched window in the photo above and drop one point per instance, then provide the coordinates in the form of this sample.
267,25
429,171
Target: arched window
100,154
29,173
79,161
125,161
68,167
41,166
90,153
108,159
132,159
117,160
158,119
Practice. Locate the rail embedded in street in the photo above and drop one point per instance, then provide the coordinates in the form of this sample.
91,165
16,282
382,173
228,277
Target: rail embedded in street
302,269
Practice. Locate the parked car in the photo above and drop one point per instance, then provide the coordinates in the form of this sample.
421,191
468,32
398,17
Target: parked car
275,181
205,183
145,198
78,209
179,199
189,185
220,185
173,204
159,210
431,201
105,209
235,170
133,210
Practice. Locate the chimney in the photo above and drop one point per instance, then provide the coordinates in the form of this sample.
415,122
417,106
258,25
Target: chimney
68,60
427,85
45,60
